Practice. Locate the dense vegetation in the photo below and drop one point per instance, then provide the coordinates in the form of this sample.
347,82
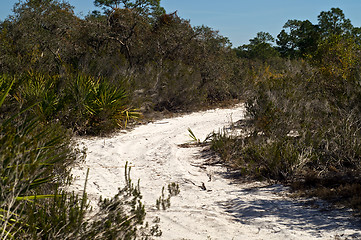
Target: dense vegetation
303,113
62,75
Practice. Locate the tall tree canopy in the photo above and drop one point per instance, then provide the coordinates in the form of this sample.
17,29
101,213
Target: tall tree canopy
259,47
144,7
334,22
299,38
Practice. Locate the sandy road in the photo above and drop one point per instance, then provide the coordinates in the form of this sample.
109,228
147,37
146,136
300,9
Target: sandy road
225,210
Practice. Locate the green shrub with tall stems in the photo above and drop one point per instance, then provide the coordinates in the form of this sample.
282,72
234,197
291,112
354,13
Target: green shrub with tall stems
82,103
34,171
34,160
94,105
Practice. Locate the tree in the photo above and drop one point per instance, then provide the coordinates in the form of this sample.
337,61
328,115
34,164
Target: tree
300,38
356,33
337,58
41,33
262,37
259,47
334,22
143,7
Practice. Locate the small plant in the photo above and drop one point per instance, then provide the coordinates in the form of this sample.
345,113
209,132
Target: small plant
155,229
121,217
34,158
193,136
173,189
95,105
164,202
39,89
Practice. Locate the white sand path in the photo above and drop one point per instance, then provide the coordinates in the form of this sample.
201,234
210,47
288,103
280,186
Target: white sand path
225,210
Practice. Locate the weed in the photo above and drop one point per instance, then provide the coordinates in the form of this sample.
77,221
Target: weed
163,201
193,136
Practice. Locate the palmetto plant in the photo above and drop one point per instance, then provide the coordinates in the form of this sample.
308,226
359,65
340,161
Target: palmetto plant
33,161
40,89
96,105
111,105
193,136
83,103
35,153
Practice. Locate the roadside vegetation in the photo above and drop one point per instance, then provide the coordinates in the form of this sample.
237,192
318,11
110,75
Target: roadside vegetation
302,122
62,75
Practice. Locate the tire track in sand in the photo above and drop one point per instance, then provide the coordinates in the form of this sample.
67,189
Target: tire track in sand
226,210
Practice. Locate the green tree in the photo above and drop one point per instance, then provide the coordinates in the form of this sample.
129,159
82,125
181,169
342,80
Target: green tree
41,34
334,22
300,38
297,38
144,7
215,60
259,47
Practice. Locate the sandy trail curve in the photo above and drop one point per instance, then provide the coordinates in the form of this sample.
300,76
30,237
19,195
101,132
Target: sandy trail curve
225,210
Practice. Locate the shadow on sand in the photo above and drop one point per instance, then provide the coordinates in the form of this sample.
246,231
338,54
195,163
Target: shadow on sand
265,207
268,207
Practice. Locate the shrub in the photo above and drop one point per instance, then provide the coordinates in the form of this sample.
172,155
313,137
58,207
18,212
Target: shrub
304,124
121,217
258,156
94,105
39,90
34,161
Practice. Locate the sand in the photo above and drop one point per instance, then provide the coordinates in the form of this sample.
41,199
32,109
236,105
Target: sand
224,209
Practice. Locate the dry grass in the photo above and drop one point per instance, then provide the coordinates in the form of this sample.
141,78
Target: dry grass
340,189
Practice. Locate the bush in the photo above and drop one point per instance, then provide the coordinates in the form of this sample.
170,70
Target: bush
303,124
257,156
95,106
121,217
34,163
35,158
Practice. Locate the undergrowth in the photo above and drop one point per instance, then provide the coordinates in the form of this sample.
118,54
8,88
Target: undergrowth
302,128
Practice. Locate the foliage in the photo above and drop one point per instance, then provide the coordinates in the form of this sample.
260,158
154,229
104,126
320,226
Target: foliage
259,47
35,157
303,119
334,22
299,38
162,57
38,36
82,75
144,7
193,137
171,95
337,57
34,161
173,190
61,73
39,89
95,105
120,216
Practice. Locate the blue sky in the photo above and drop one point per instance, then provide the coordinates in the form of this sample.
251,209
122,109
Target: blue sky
239,20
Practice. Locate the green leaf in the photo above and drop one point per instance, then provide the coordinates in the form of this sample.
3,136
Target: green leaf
28,198
2,98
